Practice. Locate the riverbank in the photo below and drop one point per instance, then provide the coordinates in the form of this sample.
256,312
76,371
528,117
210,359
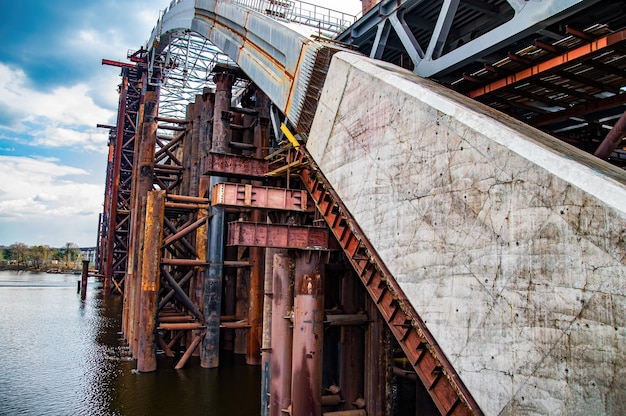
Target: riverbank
42,269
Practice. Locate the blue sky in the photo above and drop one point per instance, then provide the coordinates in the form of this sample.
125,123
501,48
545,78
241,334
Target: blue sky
53,92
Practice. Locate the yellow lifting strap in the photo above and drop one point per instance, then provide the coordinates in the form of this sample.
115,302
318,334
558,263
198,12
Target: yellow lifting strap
290,136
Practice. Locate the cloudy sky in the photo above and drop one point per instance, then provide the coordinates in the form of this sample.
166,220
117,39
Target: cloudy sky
53,92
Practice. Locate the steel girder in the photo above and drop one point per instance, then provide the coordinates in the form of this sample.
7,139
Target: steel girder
435,55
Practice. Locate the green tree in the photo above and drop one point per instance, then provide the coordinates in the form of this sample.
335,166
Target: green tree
18,252
40,256
72,253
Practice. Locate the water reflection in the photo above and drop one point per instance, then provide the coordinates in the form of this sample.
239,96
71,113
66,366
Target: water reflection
63,357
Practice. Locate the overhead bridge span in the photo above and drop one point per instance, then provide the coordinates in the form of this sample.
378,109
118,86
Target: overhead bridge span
351,226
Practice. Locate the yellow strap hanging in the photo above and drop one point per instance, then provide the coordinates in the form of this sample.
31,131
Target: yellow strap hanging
290,136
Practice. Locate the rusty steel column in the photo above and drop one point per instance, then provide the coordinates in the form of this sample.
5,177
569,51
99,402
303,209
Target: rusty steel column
308,333
266,350
150,279
260,139
188,185
281,337
351,361
235,302
377,364
83,280
143,176
613,139
197,285
209,356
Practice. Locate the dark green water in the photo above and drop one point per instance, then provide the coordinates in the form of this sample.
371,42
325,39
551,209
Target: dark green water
62,356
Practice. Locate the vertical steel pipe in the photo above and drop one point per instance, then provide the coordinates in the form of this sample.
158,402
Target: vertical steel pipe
255,300
308,333
266,353
281,333
260,138
209,356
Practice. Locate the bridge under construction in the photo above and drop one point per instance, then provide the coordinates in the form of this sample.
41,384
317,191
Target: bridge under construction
420,207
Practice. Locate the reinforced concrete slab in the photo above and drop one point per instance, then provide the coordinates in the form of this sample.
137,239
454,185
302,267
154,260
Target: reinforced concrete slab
510,244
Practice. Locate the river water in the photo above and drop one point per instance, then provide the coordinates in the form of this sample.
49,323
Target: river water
62,356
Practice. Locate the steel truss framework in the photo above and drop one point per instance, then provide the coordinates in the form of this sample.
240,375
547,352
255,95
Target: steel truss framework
558,66
115,231
186,64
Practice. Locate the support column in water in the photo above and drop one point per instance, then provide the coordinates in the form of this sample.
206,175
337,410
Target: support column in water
150,279
308,333
209,356
281,333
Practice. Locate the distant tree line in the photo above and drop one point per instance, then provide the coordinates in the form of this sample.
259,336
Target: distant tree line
41,258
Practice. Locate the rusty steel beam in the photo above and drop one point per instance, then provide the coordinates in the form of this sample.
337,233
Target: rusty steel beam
118,64
189,199
578,110
180,234
557,63
434,370
182,296
183,360
277,236
250,196
235,166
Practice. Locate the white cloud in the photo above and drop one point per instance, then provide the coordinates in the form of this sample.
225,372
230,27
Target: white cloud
92,139
67,106
39,189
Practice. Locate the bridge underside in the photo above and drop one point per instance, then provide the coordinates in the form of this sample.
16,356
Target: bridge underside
388,220
557,66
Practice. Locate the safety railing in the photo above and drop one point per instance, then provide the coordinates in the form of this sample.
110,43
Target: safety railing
321,18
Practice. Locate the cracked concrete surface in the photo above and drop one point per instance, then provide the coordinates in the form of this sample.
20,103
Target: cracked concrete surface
510,244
